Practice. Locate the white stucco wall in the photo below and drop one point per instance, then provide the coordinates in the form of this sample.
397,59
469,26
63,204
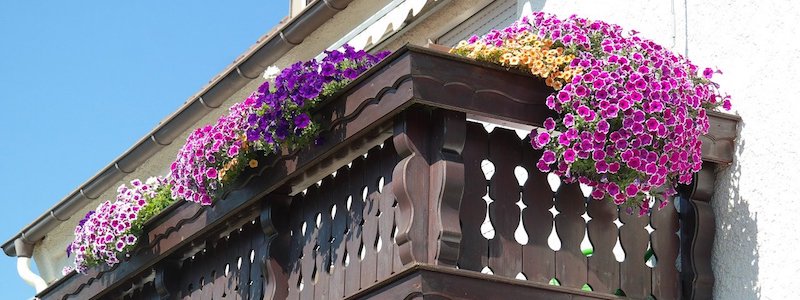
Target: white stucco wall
756,44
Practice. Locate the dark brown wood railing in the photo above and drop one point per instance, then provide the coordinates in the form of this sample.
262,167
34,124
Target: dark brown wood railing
392,204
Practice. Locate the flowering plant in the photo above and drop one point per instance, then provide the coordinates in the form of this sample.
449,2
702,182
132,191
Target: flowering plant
274,116
282,114
631,112
107,232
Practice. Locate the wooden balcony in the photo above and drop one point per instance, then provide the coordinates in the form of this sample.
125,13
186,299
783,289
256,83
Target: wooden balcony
394,204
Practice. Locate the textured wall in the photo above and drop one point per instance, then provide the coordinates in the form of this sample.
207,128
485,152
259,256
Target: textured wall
756,44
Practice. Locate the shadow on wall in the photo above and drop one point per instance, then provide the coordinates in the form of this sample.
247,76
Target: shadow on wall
735,255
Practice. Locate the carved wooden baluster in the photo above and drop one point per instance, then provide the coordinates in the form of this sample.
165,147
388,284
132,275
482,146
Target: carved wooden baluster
697,235
473,253
634,273
539,260
217,251
505,254
571,228
369,265
386,255
603,266
447,185
310,259
296,247
323,207
273,253
354,242
167,280
338,228
665,242
232,282
411,183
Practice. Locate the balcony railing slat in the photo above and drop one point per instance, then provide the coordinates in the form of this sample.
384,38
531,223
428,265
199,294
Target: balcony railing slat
570,226
538,258
666,244
473,254
505,254
603,233
634,273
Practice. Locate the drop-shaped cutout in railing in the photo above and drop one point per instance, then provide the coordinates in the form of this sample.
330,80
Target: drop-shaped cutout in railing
349,201
380,184
488,169
487,229
239,263
489,127
300,284
487,270
318,220
314,275
252,255
521,174
378,244
227,269
364,193
346,258
586,244
303,229
521,133
585,189
333,212
361,251
521,234
619,253
202,282
650,258
553,240
521,276
554,181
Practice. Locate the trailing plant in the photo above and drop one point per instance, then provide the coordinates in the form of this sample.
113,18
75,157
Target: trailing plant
105,234
631,112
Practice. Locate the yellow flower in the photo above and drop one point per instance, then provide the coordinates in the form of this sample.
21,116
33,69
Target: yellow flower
253,163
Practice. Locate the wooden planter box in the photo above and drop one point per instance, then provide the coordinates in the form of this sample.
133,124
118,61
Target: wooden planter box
402,216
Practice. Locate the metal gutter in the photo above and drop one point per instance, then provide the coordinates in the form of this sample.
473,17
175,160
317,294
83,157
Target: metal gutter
246,68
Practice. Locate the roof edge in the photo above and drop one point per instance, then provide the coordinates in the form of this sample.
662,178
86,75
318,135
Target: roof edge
247,67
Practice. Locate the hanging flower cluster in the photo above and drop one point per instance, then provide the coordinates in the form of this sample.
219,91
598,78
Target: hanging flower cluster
631,112
112,228
212,154
276,115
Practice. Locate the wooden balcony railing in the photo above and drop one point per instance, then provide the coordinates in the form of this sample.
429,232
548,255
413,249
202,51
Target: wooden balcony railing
392,203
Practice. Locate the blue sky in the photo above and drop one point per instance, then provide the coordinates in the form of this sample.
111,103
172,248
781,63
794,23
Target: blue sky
79,84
